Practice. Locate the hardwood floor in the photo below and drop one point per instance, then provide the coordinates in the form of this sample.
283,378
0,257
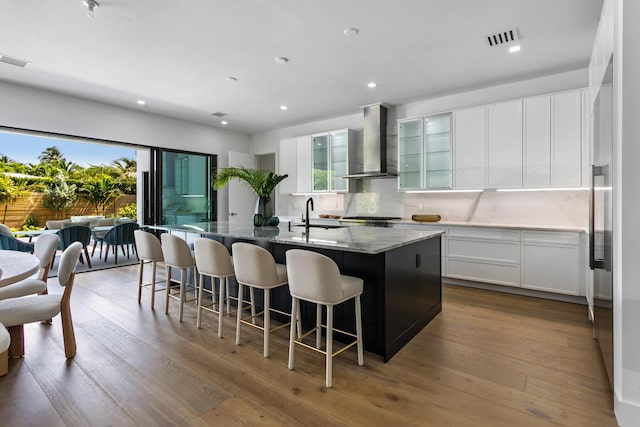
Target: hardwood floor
487,359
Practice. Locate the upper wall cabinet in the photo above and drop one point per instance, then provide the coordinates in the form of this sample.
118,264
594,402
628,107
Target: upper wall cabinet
469,148
555,152
295,160
504,145
331,153
424,153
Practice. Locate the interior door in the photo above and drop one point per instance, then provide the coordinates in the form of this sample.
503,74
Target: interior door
242,200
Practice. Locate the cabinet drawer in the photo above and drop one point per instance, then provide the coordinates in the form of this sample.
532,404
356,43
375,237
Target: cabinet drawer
551,268
495,250
484,233
556,237
500,274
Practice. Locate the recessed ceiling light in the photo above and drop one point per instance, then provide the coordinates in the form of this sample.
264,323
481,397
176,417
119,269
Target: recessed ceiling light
232,79
283,107
141,102
514,49
281,60
351,32
372,84
224,122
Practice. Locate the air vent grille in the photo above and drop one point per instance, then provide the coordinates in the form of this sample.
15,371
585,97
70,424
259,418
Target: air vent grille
219,114
502,37
13,61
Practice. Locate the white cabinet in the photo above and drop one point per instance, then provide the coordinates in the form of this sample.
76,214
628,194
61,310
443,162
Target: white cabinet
537,142
303,164
551,261
288,164
469,148
424,153
330,157
566,139
504,145
484,254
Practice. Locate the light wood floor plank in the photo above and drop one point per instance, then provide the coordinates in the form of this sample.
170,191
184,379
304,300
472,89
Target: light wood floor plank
488,359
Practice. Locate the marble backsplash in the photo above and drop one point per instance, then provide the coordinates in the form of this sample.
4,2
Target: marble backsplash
380,197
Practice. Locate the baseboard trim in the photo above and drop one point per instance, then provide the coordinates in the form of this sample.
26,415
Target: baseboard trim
627,413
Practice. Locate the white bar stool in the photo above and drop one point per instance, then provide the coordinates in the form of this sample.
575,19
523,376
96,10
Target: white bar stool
149,249
177,254
315,278
213,260
256,268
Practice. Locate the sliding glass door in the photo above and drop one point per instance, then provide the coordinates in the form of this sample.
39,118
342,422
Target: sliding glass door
180,187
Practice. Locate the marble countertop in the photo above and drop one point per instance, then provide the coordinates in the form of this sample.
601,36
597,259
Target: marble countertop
370,240
532,227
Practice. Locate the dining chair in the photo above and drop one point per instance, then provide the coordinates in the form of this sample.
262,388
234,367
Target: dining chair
13,244
214,261
44,248
75,233
120,235
149,249
15,312
316,278
177,254
4,229
5,341
256,269
98,235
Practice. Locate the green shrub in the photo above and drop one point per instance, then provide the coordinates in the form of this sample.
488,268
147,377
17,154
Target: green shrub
129,211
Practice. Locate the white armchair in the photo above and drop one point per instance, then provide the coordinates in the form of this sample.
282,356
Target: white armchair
15,312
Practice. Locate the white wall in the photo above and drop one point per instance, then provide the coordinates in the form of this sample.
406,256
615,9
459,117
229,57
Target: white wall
34,109
626,214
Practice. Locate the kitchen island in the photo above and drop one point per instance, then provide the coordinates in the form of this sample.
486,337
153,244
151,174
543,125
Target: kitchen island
401,271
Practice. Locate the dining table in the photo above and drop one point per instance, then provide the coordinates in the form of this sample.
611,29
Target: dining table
16,266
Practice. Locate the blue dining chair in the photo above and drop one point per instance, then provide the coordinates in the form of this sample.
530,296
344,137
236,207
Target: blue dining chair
11,243
120,235
75,233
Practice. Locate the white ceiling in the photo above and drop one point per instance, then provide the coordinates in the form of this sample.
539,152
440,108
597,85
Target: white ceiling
176,55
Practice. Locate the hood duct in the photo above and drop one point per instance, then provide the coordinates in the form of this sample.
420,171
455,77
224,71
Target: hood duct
378,159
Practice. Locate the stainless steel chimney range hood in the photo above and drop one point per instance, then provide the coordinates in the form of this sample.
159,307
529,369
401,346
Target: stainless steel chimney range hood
378,160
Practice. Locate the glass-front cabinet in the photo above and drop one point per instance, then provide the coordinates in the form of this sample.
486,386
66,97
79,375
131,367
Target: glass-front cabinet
330,160
424,153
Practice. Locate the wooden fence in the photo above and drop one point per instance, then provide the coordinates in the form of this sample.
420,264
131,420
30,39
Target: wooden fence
18,212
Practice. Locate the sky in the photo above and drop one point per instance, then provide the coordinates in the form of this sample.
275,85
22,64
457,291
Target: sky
27,148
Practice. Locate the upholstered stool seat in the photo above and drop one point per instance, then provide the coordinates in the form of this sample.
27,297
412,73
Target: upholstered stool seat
213,260
177,254
256,268
316,278
149,249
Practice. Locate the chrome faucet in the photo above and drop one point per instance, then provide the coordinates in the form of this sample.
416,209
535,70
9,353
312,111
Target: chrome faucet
306,221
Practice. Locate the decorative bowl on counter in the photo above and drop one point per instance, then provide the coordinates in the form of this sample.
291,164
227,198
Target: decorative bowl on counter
328,216
426,218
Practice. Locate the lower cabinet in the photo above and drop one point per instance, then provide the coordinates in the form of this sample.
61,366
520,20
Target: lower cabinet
549,261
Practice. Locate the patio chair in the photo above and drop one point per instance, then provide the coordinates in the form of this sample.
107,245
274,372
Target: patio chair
13,244
120,235
4,229
75,233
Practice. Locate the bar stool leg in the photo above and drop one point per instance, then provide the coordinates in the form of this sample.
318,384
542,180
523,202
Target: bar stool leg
267,322
139,280
253,305
239,317
294,315
200,296
182,297
166,300
318,326
222,283
359,331
154,264
329,345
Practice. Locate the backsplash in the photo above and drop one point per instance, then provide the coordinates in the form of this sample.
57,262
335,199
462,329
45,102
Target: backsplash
380,197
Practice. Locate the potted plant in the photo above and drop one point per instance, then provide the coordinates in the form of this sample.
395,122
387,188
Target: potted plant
262,182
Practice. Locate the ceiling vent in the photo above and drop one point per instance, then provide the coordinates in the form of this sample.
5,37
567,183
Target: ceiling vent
502,37
219,114
13,61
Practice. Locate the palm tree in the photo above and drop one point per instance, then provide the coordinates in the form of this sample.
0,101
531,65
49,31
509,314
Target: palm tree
262,182
128,167
101,190
9,193
51,155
